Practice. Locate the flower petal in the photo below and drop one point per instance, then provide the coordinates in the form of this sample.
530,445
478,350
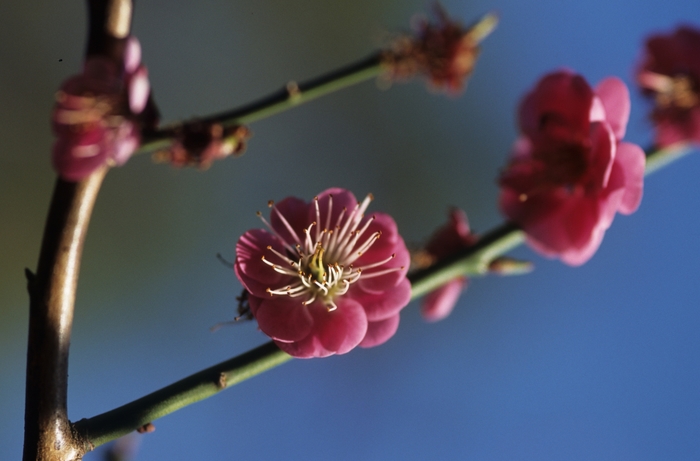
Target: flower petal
615,97
386,304
284,319
439,303
293,210
631,159
558,106
342,329
255,275
380,332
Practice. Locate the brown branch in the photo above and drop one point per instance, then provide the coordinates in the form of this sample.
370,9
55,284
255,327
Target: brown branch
49,435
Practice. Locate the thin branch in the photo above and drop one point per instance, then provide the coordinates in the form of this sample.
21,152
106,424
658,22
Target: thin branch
291,95
120,421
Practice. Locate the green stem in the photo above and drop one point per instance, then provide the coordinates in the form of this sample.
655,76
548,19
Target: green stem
290,96
120,421
657,159
472,261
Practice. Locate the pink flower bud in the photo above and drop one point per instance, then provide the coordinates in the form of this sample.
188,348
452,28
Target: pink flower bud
447,240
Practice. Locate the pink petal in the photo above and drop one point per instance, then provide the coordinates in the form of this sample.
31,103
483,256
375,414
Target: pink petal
451,237
125,142
341,199
631,159
132,54
139,88
74,157
255,275
342,329
284,319
439,303
380,332
559,105
386,304
294,211
307,348
390,243
616,99
601,155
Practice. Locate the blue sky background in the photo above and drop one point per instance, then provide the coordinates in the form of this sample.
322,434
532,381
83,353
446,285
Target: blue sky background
598,362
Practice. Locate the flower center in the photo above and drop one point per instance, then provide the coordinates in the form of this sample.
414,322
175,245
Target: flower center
681,91
563,165
320,266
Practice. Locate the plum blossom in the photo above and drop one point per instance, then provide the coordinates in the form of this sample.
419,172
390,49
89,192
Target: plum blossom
570,172
447,240
670,74
94,117
324,278
444,51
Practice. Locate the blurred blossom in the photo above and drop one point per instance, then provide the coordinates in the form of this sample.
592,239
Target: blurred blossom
324,278
447,240
94,118
569,172
444,51
670,74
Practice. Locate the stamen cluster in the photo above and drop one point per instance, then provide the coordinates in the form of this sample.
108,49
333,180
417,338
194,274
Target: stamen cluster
670,75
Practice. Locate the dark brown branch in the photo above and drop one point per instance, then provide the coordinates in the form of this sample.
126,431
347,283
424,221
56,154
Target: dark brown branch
49,435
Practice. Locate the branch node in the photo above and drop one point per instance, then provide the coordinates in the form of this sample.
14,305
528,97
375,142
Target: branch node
221,382
146,428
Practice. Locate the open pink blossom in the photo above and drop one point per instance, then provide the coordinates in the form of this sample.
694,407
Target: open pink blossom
325,278
670,73
447,240
569,172
94,117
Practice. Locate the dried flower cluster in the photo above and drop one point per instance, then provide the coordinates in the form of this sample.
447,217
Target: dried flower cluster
444,51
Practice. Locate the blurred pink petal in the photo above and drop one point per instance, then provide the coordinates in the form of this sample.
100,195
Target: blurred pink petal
93,105
447,240
439,303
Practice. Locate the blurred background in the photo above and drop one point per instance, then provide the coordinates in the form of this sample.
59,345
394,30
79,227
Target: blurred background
598,362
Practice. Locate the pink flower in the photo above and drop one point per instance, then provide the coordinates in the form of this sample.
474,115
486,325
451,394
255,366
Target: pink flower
447,240
570,173
325,278
93,119
670,73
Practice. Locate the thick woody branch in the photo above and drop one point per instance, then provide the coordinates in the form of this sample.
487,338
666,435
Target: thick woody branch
48,433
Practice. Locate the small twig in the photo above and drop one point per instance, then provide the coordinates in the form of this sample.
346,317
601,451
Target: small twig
292,95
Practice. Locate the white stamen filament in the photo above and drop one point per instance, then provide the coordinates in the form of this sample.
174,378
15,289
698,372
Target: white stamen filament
321,264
